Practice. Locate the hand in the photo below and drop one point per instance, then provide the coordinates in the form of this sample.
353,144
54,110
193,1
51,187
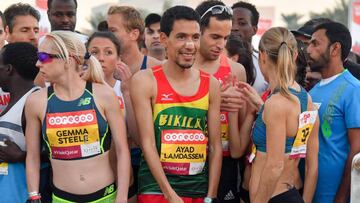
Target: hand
122,72
175,199
11,152
231,96
252,98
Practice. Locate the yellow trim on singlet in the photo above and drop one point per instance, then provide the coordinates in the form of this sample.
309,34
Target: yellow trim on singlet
202,104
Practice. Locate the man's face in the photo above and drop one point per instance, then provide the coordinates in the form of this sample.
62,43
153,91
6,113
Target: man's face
116,25
25,29
2,34
152,36
214,37
319,51
242,24
182,43
62,15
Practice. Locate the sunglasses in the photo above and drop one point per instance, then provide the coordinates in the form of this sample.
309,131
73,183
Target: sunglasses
44,57
218,9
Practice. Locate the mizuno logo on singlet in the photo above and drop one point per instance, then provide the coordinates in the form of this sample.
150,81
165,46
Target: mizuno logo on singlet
166,97
84,101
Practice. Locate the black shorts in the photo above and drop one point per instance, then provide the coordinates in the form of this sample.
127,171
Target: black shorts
227,191
290,196
106,194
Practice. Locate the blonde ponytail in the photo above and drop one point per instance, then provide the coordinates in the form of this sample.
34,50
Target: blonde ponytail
280,46
69,45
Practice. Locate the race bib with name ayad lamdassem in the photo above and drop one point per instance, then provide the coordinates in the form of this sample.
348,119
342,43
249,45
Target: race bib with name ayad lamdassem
73,134
183,152
306,123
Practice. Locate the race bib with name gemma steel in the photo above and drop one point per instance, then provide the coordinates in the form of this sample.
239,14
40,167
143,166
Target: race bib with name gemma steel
73,134
183,152
306,123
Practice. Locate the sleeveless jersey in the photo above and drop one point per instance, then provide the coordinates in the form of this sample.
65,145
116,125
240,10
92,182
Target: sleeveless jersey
223,71
74,129
4,99
12,175
259,130
180,124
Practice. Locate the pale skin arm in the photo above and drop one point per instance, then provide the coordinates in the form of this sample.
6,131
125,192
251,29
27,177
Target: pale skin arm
32,137
311,163
116,122
343,192
142,92
215,148
123,73
275,148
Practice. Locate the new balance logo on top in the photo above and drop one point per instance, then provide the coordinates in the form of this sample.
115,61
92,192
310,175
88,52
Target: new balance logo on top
166,97
229,196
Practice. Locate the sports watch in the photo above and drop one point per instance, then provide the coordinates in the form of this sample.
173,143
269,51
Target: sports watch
210,200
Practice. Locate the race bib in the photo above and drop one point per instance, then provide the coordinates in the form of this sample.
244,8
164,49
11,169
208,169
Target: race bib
225,133
306,123
73,134
253,154
4,166
183,152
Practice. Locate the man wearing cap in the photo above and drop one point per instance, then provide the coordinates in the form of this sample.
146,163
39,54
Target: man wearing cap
152,37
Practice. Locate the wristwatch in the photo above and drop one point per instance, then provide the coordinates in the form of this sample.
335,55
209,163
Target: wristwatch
210,200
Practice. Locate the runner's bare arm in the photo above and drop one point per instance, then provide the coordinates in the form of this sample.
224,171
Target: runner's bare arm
343,192
108,100
32,136
236,119
123,73
275,147
240,143
215,148
311,161
142,90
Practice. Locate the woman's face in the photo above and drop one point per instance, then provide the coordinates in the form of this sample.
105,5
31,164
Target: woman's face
51,65
105,51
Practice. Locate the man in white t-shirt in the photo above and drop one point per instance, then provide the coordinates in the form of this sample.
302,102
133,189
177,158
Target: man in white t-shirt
245,25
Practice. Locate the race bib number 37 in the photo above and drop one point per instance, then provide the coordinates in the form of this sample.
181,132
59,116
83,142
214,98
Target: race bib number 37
306,123
183,152
73,134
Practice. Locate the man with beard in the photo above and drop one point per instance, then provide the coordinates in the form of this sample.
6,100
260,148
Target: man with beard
178,109
152,37
338,98
215,29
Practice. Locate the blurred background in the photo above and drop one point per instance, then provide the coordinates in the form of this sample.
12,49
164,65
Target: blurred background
289,13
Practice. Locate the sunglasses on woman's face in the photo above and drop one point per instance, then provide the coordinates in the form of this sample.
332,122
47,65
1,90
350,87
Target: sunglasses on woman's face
44,57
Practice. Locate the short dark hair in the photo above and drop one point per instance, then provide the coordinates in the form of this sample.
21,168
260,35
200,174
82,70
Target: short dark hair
152,18
337,32
235,45
254,12
23,57
177,13
204,6
102,26
49,2
107,35
19,9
